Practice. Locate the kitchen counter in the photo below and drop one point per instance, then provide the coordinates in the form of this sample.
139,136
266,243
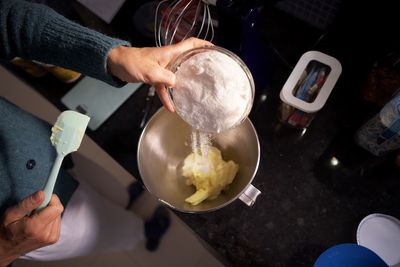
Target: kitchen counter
307,203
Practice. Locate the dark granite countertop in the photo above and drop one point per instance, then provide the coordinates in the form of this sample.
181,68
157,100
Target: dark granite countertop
307,205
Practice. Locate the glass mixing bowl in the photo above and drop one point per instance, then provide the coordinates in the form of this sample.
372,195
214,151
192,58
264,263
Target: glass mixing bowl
174,66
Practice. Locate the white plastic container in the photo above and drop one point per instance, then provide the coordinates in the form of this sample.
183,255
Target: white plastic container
381,134
308,88
381,234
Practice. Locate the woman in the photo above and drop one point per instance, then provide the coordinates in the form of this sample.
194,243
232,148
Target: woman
33,31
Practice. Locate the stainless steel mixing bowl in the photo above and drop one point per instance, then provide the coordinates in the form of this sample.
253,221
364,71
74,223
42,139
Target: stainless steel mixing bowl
165,143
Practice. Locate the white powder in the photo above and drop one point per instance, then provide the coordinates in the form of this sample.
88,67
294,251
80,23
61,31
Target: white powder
201,142
212,92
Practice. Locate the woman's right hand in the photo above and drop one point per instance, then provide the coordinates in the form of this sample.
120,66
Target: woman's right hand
149,64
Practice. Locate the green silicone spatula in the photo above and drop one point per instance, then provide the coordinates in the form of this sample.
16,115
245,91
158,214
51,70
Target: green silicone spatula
66,137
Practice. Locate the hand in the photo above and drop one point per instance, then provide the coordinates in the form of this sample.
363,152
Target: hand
149,64
20,234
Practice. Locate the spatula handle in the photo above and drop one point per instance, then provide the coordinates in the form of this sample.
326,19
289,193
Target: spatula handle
49,187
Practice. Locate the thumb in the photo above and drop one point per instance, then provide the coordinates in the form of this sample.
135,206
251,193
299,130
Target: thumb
24,207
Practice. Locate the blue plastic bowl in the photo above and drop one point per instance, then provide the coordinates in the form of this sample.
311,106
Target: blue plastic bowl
349,255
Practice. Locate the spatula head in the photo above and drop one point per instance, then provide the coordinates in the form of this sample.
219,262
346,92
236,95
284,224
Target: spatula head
68,131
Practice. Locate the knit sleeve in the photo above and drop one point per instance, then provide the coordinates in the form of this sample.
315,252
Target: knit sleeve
34,31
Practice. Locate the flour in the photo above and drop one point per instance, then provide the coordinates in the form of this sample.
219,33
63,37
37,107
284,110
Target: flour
201,142
212,92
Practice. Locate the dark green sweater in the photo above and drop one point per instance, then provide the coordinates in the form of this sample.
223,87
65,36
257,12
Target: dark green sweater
34,31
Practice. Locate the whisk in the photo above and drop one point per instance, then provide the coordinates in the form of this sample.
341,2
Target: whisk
179,19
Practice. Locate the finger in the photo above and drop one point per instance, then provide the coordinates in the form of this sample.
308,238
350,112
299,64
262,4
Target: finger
55,231
49,213
163,95
187,44
193,42
160,75
43,235
42,227
173,51
55,201
39,225
27,205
